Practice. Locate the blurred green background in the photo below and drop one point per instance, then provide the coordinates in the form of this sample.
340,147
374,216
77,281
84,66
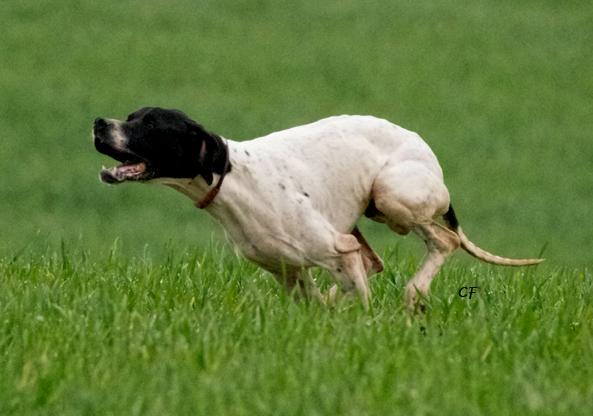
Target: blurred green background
501,90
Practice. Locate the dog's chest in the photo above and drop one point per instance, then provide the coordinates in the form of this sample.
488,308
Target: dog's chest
271,231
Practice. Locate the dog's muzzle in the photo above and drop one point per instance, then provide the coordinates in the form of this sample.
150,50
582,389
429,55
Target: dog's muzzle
132,166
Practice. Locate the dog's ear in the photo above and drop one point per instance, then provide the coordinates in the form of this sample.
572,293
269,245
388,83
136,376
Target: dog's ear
209,147
205,160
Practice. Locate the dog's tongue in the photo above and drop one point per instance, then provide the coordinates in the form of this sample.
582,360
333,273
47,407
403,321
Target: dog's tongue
122,172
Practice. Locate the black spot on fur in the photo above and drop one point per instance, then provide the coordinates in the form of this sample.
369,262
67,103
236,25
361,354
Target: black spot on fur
282,186
306,194
247,153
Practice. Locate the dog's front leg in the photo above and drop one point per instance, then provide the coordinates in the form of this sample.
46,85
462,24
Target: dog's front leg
349,269
300,284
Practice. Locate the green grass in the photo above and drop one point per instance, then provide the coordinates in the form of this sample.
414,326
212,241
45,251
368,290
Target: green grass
172,323
211,334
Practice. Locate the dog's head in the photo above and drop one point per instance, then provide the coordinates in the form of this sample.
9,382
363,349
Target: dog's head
157,143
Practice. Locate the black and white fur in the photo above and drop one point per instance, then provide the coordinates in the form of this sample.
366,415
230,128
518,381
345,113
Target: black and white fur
290,200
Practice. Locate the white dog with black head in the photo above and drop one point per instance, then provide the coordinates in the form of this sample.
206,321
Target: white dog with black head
291,200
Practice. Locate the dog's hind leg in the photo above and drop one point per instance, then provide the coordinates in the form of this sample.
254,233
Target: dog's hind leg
409,196
440,243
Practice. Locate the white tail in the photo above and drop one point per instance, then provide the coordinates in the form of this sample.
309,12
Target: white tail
477,252
483,255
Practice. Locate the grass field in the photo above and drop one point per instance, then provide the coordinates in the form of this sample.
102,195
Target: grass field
126,300
210,334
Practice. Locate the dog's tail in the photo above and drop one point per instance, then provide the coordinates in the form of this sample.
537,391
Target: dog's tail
453,224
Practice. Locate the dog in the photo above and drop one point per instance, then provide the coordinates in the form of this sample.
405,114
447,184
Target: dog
290,200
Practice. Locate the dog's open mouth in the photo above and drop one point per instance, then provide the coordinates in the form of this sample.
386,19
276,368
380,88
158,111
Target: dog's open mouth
127,171
132,167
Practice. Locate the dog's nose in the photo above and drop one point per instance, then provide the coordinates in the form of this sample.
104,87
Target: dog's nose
100,125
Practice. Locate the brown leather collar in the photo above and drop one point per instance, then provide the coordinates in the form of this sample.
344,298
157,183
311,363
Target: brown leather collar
214,191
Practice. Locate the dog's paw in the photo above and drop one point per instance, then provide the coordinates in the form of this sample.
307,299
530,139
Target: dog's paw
415,300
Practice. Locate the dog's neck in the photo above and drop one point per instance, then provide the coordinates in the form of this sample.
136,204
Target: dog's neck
197,189
224,167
